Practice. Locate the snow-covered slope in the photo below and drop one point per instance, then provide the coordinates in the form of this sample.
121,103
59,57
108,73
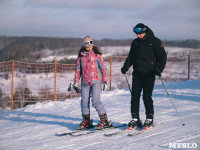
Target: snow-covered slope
34,126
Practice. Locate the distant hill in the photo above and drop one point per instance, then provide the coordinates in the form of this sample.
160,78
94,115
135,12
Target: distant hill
32,48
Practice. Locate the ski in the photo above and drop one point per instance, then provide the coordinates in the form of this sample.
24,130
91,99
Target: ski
72,132
138,131
67,133
131,132
143,130
94,131
121,132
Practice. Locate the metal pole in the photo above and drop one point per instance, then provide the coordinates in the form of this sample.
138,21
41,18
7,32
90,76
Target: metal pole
55,97
110,72
12,84
188,67
128,83
171,101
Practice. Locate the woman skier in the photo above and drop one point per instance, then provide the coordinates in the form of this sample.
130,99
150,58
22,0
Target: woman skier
90,67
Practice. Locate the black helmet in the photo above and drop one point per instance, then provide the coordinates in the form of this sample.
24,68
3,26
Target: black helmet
140,28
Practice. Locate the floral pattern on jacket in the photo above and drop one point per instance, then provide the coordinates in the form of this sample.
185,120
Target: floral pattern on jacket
87,68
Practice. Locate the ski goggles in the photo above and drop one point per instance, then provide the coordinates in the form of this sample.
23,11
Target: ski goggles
87,43
138,30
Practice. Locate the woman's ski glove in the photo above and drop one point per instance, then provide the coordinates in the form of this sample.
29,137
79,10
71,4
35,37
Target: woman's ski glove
104,87
69,87
75,87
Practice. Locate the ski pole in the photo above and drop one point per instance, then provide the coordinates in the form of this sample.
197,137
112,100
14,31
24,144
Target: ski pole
171,101
128,83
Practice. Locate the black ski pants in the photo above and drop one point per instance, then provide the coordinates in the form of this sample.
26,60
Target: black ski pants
142,82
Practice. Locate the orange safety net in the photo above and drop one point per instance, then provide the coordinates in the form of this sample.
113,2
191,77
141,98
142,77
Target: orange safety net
25,83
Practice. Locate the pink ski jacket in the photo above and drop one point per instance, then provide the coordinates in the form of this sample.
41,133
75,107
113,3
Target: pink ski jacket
91,68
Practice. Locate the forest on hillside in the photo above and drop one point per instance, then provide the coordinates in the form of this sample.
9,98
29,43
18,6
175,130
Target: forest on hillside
32,48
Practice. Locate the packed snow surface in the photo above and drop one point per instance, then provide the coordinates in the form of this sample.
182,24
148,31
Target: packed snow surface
34,127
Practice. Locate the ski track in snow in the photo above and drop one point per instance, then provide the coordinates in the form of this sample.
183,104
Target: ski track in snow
34,126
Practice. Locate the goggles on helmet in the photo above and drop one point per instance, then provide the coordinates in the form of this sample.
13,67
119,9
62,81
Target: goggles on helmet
138,30
87,43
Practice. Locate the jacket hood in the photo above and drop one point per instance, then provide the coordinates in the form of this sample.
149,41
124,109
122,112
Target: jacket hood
149,33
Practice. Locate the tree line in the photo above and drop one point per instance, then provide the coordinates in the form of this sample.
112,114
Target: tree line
30,48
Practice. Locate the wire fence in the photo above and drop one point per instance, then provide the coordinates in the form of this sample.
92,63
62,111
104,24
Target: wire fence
23,83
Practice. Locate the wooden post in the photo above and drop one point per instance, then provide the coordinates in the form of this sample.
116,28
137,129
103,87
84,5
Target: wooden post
55,82
188,67
110,71
12,84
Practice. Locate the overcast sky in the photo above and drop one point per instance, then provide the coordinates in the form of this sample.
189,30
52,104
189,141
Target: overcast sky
169,19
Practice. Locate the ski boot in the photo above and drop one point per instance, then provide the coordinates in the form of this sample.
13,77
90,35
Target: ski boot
135,122
86,123
148,122
104,123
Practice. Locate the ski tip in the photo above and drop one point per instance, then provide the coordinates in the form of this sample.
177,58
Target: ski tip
108,135
62,134
130,134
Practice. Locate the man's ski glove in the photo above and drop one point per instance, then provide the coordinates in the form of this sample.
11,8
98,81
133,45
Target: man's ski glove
157,72
124,70
104,87
75,87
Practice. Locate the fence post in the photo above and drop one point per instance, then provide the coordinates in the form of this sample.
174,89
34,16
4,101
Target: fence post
55,82
110,71
188,67
12,86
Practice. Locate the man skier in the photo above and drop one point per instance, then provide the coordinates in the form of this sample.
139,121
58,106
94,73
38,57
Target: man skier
148,57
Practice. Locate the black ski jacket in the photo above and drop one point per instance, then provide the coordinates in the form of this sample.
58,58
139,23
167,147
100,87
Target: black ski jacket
146,54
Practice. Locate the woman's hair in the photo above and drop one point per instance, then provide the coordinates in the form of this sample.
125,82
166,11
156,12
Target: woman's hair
96,50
